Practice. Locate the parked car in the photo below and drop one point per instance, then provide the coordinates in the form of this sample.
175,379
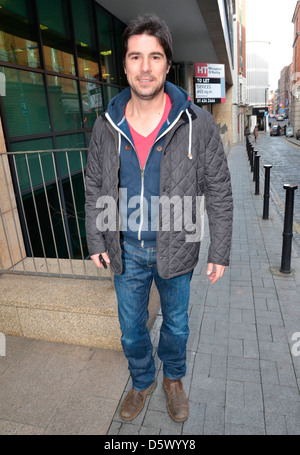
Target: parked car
280,118
289,131
275,130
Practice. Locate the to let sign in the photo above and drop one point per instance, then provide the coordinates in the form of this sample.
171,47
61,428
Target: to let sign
210,83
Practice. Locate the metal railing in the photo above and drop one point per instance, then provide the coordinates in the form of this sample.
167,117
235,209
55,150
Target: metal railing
42,221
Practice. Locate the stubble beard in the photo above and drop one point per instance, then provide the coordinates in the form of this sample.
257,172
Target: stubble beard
148,96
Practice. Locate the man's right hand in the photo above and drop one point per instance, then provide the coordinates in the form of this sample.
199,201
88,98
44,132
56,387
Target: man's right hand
95,258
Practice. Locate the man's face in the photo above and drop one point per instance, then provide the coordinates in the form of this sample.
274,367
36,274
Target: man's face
146,66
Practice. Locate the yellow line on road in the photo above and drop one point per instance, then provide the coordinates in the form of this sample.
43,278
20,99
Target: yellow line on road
290,142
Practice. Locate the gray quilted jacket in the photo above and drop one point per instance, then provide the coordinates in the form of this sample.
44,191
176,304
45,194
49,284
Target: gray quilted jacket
193,164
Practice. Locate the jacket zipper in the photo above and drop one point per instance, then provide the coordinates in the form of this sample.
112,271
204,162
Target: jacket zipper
141,205
142,169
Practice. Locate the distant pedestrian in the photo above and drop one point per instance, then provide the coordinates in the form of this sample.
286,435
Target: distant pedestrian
246,131
279,130
255,132
284,129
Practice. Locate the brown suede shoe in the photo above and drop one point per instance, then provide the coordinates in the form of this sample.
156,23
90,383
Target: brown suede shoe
178,405
134,402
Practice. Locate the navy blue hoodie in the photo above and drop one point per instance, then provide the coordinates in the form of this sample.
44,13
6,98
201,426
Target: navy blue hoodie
139,187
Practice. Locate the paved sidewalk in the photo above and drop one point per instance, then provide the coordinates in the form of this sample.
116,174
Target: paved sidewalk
242,377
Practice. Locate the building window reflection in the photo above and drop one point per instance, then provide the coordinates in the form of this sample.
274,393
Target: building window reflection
18,43
119,29
56,36
65,105
31,163
85,37
25,104
109,93
105,34
92,102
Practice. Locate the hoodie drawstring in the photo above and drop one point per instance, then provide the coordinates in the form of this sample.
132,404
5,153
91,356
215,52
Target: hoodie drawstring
119,139
190,155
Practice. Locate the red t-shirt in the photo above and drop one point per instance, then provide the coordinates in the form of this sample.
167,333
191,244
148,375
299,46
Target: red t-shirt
143,144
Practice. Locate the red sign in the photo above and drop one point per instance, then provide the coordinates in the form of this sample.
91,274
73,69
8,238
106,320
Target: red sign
201,69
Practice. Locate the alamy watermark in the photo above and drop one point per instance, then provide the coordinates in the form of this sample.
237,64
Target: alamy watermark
2,345
166,214
296,346
2,84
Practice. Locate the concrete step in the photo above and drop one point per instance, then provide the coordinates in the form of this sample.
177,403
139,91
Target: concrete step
65,310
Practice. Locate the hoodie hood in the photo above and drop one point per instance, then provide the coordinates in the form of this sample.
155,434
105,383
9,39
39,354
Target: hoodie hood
180,100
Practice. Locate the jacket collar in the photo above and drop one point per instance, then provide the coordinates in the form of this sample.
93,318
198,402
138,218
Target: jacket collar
180,105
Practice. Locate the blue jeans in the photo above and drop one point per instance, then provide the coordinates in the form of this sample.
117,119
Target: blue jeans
133,288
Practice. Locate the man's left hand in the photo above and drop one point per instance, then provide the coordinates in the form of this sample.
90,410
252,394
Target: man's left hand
215,271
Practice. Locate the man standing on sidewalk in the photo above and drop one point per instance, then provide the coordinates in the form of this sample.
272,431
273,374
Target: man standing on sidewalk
154,145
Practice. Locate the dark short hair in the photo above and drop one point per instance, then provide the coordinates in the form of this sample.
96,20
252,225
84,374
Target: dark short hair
150,25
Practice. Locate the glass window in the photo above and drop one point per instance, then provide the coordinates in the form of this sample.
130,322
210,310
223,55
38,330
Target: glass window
76,160
86,67
43,224
39,203
37,168
88,138
73,161
79,200
119,29
25,104
70,141
85,39
109,93
65,103
105,33
56,35
92,102
18,43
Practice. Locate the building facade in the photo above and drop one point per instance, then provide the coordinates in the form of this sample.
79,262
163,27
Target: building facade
239,102
284,91
271,104
295,72
258,79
